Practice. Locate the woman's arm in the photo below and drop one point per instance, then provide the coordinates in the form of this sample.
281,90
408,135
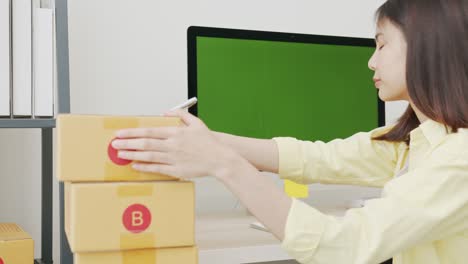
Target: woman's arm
261,153
195,151
425,205
356,160
260,194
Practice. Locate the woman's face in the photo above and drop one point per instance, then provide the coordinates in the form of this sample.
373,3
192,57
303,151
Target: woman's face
389,63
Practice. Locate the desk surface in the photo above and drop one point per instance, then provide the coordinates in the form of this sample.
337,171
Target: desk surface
228,238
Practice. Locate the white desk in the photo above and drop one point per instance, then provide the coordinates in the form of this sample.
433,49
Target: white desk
227,238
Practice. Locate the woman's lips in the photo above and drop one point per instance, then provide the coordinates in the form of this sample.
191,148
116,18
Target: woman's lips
377,82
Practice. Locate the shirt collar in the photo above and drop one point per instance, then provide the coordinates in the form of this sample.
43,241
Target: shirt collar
431,130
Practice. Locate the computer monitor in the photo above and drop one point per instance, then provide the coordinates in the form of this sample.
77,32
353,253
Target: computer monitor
269,84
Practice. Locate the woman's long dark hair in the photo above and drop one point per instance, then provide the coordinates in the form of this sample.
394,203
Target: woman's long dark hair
436,32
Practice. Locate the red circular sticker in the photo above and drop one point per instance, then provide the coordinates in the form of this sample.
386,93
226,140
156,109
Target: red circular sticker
136,218
112,153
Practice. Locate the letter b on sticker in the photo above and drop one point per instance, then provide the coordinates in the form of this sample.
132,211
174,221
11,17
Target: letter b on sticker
136,218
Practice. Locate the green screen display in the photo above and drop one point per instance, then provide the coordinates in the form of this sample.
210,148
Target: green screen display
265,89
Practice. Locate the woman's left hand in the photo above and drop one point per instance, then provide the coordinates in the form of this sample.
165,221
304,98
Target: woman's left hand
185,152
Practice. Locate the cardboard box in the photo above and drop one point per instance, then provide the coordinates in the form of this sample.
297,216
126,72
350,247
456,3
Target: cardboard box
129,215
16,246
84,153
179,255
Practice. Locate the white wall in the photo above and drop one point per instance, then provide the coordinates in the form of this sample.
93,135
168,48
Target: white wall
129,57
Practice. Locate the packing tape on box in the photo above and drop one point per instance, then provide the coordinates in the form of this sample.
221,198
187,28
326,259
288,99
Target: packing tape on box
139,256
128,241
120,122
112,172
135,190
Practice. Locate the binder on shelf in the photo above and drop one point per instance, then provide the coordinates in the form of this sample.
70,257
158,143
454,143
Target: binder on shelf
5,54
43,62
22,57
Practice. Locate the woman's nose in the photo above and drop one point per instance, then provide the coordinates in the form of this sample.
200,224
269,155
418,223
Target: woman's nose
371,64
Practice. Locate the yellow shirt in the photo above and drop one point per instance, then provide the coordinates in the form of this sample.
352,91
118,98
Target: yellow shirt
421,218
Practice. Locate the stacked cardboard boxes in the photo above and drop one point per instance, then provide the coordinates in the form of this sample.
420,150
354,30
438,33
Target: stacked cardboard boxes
113,213
16,246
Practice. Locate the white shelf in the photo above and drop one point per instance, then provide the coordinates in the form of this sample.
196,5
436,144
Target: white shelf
27,123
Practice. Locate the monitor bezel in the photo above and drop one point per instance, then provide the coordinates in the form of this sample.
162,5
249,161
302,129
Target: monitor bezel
197,31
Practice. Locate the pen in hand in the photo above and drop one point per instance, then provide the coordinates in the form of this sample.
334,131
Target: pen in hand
189,103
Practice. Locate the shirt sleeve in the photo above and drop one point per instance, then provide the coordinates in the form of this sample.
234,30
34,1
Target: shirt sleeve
357,160
422,206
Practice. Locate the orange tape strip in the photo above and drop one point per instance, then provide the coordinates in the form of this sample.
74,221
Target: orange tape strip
142,240
139,256
113,172
135,190
120,122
